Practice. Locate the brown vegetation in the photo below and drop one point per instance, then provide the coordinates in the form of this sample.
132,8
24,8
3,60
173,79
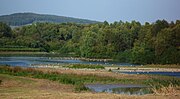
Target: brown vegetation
102,73
29,88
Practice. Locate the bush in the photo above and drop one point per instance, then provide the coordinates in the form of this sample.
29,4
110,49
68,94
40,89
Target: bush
0,81
124,56
80,87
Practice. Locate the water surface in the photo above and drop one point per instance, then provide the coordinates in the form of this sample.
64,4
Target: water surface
129,89
28,61
174,74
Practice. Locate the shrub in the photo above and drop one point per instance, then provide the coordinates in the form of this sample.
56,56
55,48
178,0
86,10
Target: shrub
81,87
0,81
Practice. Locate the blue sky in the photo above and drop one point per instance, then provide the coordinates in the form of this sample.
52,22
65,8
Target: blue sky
100,10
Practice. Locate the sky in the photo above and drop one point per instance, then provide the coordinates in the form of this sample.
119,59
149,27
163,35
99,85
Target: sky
99,10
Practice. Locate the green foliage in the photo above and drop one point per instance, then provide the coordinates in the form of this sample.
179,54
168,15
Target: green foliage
21,49
87,43
124,57
78,66
0,81
80,87
5,30
167,45
158,26
156,43
142,54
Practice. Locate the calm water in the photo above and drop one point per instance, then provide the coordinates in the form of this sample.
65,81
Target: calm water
119,89
28,61
174,74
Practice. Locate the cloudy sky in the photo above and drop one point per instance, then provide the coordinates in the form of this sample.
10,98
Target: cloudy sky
100,10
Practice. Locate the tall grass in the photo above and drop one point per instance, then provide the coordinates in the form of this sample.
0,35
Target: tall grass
165,90
158,83
164,87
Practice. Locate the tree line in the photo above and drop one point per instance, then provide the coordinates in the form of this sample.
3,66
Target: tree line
151,43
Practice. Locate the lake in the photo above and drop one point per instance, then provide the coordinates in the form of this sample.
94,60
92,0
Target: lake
174,74
28,61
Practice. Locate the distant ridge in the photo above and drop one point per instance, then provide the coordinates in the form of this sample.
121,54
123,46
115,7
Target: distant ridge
18,19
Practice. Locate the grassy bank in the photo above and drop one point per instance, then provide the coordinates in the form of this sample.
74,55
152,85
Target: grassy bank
82,66
18,87
78,80
40,83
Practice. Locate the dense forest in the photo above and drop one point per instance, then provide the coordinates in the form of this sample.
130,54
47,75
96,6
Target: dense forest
156,43
19,19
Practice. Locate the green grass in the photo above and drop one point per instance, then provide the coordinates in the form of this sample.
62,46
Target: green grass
81,66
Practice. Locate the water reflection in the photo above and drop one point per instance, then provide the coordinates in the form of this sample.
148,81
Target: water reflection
129,91
119,89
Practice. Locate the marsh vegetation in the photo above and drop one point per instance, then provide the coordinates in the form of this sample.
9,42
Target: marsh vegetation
80,79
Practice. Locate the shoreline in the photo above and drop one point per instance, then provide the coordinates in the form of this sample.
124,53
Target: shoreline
118,69
139,69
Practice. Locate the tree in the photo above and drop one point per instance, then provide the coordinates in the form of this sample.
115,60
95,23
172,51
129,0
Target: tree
5,30
167,45
158,26
88,41
143,50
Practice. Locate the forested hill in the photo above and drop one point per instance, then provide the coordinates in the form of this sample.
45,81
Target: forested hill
18,19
